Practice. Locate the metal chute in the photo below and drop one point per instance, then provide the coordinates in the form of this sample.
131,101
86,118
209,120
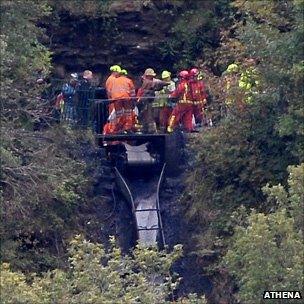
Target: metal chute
139,155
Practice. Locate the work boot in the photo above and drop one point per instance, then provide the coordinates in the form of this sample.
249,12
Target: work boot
152,127
169,129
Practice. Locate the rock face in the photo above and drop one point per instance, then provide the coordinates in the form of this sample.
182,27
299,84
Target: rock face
130,35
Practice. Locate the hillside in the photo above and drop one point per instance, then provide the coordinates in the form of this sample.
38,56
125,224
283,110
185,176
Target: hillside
232,212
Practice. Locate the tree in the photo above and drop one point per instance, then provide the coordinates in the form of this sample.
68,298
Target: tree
267,252
99,276
244,151
249,148
44,177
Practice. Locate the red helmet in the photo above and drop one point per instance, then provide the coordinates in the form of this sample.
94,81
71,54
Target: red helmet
183,74
194,72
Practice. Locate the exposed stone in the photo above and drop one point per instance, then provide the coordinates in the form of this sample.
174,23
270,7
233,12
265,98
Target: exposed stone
139,28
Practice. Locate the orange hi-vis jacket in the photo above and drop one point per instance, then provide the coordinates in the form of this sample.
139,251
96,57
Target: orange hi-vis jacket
122,88
109,85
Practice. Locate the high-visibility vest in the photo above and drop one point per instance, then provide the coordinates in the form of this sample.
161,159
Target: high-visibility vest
162,96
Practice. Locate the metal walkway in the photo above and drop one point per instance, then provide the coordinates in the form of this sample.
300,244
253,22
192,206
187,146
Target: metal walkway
144,199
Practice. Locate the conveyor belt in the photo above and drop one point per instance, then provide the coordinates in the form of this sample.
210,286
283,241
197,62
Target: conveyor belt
144,200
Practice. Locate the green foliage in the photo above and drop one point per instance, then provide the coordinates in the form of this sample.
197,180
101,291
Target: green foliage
281,61
194,32
15,289
99,276
256,144
250,147
44,178
100,21
94,8
47,198
293,199
232,163
267,252
21,52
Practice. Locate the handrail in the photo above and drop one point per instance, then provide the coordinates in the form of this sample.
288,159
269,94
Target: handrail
127,193
158,204
131,200
97,100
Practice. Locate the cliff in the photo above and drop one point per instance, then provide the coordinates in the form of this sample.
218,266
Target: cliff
135,34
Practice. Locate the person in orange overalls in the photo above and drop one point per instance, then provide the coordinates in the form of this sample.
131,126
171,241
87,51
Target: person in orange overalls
129,114
115,73
109,127
183,111
199,95
122,92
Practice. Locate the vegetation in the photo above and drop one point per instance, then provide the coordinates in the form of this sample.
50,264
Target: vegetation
47,184
267,250
244,191
99,276
195,31
250,147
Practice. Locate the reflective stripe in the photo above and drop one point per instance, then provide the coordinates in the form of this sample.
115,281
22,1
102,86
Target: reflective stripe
197,102
171,121
185,94
185,101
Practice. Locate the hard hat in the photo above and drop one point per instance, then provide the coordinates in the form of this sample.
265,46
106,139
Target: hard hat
194,72
87,74
115,68
183,74
232,68
149,72
165,74
124,72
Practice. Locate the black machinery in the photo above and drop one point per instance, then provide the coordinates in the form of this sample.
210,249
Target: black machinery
140,163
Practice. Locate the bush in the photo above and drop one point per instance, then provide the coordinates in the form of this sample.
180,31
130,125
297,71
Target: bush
267,253
100,276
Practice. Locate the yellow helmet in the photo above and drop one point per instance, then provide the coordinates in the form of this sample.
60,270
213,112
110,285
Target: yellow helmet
232,68
115,68
165,74
124,72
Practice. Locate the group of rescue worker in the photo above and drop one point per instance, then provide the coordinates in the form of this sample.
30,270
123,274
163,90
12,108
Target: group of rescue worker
242,83
159,105
76,94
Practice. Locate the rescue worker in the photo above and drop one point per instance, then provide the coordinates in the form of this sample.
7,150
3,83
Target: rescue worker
249,81
124,72
146,95
183,111
122,92
231,85
241,84
199,95
68,93
162,106
85,95
115,73
130,118
110,126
